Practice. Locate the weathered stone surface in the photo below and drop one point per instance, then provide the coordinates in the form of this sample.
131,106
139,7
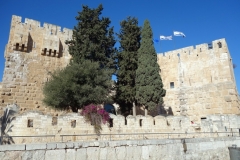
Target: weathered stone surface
55,154
18,147
81,154
92,153
39,155
70,154
35,146
28,155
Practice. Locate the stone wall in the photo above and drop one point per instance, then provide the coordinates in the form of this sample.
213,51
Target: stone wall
199,80
35,127
167,149
32,52
202,77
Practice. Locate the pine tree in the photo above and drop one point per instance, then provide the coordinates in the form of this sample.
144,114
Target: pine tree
93,39
149,86
87,78
127,62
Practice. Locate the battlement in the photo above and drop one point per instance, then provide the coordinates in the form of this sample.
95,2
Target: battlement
205,48
17,20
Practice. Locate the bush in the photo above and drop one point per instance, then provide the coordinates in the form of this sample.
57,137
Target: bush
96,116
76,86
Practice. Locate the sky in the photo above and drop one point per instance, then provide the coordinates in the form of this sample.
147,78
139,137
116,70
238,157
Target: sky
202,21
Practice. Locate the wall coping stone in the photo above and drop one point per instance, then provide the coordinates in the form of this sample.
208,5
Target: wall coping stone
36,146
14,147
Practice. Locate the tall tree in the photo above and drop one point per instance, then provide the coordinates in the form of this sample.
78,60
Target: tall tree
93,39
149,86
130,36
87,78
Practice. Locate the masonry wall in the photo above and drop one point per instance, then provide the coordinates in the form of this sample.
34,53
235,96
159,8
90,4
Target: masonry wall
199,80
31,53
72,127
186,149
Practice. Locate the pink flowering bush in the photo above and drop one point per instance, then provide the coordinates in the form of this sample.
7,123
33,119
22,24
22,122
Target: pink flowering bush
96,116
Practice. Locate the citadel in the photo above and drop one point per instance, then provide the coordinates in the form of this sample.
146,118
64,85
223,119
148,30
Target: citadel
199,81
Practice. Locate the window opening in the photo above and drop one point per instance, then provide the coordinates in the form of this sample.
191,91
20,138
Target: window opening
17,46
140,122
110,122
210,46
125,121
54,121
73,123
23,45
30,123
171,84
203,118
200,49
219,45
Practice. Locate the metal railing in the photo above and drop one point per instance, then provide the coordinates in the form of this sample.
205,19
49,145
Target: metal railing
121,136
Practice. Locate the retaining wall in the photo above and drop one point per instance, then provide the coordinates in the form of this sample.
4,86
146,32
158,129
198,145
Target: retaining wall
166,149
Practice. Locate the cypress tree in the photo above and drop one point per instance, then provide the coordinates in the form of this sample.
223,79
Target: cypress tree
149,86
130,36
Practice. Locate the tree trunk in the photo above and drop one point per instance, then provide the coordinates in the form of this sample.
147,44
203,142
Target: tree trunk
145,111
134,109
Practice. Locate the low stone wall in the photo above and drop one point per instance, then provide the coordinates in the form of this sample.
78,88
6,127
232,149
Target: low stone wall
165,149
52,129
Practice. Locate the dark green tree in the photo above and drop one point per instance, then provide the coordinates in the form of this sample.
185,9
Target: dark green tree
129,38
149,86
87,78
93,39
76,86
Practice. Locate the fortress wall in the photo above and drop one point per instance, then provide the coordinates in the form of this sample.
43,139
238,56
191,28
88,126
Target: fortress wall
31,53
203,80
167,149
35,123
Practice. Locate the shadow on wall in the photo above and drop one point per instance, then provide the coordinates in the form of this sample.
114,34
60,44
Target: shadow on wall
159,110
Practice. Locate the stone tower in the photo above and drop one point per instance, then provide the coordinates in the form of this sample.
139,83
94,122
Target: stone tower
31,53
199,80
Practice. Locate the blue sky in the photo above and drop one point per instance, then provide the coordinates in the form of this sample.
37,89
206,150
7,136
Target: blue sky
201,20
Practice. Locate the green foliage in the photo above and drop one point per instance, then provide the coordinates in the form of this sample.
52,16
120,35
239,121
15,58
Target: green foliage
127,62
76,86
93,39
87,78
149,86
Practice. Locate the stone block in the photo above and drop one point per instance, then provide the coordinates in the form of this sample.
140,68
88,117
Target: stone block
15,147
61,145
81,154
39,155
55,154
92,153
103,153
35,146
27,155
145,152
121,152
51,145
70,154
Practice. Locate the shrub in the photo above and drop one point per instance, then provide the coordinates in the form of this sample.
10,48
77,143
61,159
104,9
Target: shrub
96,116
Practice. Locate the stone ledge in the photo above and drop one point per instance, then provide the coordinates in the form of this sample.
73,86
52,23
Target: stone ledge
36,146
16,147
